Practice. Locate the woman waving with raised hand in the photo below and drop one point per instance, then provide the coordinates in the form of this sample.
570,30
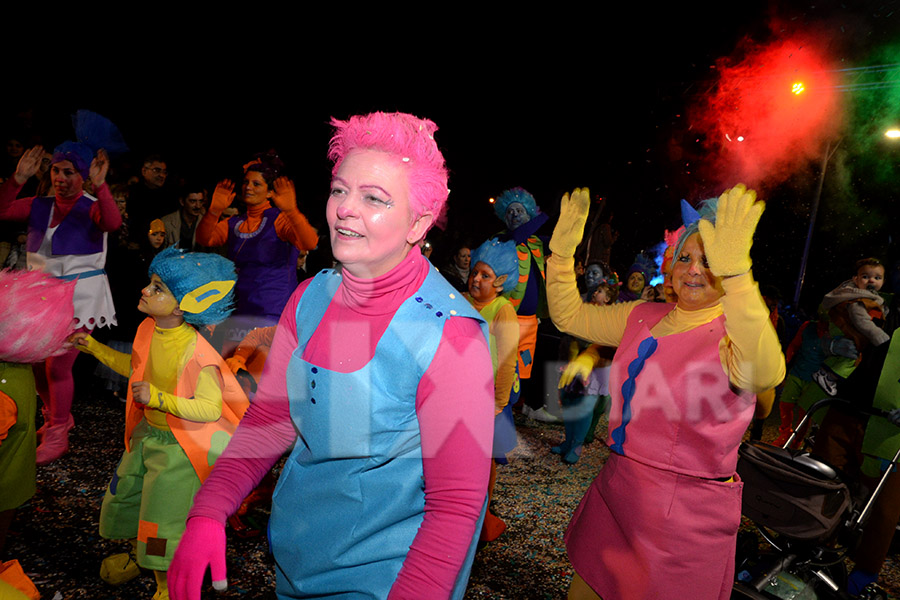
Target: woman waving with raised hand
661,518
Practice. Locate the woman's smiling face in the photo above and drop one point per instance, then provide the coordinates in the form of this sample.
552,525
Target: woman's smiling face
693,282
371,224
255,188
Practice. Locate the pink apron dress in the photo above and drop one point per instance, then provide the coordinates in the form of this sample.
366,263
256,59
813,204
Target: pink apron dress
661,519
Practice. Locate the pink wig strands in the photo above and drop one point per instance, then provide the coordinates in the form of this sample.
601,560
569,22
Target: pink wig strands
36,316
411,140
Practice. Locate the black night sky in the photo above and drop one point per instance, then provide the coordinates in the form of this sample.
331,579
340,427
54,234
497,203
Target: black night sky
593,98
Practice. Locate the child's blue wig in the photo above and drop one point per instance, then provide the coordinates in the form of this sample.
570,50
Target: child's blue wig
186,272
519,195
501,257
691,218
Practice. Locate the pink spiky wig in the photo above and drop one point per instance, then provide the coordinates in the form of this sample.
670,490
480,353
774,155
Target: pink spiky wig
411,140
36,316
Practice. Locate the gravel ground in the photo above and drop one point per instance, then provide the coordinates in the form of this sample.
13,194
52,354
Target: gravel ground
55,535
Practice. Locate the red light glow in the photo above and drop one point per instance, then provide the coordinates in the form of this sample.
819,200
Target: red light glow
781,131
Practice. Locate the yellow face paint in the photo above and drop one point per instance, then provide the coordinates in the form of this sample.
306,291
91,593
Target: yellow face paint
156,299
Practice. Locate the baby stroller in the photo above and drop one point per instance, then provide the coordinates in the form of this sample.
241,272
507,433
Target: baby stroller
809,515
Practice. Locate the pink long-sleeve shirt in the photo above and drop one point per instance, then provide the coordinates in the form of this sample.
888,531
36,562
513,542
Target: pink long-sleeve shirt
454,405
104,212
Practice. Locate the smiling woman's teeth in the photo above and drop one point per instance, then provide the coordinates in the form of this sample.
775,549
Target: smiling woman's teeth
348,232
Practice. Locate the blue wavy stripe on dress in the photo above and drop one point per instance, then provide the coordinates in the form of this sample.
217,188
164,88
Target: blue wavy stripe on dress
645,350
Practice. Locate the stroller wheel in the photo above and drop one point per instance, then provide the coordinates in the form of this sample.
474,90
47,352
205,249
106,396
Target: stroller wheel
747,547
873,591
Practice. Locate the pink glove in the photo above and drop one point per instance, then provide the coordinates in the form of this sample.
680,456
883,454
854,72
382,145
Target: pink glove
202,544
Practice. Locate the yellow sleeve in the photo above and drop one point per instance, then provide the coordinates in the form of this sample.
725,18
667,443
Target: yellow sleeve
506,331
604,325
115,360
750,351
764,402
204,407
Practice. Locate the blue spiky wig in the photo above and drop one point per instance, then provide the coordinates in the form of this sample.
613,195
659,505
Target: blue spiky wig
184,272
691,218
519,195
501,257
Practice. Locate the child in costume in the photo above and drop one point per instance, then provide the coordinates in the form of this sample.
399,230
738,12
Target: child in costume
584,383
810,347
157,235
183,405
494,271
36,318
608,289
857,310
636,279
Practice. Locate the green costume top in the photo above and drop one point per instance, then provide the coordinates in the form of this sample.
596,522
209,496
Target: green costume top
882,439
17,450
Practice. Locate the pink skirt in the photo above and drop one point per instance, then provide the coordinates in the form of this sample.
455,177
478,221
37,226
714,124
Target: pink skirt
642,533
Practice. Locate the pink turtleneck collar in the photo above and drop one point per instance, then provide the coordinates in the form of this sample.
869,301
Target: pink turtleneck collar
63,206
360,313
384,294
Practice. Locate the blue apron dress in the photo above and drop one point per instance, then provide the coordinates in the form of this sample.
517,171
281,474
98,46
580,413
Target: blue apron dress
351,497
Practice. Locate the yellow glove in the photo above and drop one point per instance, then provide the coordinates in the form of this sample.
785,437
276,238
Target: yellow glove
728,242
573,213
581,366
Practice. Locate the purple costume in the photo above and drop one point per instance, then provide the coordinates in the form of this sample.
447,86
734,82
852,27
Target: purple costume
266,266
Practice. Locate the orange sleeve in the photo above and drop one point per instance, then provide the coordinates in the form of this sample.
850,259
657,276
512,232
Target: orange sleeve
259,337
9,414
293,227
211,232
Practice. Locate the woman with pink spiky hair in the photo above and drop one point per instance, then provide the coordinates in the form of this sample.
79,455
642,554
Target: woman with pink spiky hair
380,377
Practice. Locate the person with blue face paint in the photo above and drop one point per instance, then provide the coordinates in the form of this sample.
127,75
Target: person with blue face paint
517,208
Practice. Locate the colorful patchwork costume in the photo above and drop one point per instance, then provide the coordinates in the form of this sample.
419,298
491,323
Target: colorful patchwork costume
195,404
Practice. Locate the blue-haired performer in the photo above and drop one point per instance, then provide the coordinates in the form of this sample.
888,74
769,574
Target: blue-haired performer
495,268
183,405
523,218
